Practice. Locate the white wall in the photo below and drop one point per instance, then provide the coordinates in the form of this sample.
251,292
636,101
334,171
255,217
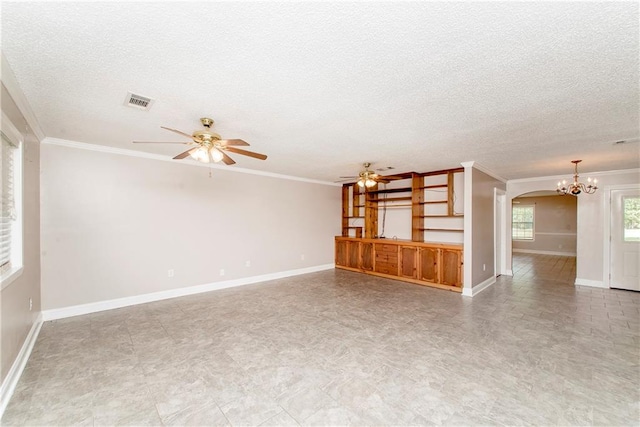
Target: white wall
16,320
555,225
113,225
482,228
590,244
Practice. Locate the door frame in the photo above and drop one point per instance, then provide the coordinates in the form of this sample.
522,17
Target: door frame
500,224
606,267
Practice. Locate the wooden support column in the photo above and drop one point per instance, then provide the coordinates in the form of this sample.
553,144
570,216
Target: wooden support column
417,207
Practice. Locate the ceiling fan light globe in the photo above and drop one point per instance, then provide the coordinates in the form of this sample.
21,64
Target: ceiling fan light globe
361,183
216,155
370,183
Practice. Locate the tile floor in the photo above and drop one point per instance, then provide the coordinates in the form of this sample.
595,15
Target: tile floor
341,348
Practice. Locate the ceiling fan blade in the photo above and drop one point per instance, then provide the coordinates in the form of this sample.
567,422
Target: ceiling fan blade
390,177
233,142
348,177
246,153
185,154
160,142
226,159
179,132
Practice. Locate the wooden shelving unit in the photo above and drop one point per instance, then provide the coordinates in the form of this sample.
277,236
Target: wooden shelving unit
356,199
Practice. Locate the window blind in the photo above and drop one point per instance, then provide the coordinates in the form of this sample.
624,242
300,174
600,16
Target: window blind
7,200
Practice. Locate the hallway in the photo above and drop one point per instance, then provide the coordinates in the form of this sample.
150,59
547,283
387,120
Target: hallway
547,267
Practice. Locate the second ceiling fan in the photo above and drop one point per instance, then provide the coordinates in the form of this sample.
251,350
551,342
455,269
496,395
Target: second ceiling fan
208,146
368,178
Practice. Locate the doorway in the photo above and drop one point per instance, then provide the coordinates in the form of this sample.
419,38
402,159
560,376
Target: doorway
624,238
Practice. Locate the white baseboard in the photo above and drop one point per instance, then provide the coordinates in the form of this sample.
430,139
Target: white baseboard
78,310
591,283
11,380
531,251
471,292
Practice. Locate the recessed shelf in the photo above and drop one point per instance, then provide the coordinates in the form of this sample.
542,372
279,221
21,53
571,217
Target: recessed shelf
391,199
434,186
438,216
391,190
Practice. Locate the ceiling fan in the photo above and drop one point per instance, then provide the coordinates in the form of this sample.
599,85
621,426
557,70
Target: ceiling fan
207,146
368,178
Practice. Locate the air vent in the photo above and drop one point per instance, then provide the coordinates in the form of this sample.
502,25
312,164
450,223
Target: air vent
138,101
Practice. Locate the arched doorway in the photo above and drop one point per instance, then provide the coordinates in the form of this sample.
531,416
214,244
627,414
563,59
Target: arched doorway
544,236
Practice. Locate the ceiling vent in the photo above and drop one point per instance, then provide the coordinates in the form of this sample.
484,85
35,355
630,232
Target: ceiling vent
138,101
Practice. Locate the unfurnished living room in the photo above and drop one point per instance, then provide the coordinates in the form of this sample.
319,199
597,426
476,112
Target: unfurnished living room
320,213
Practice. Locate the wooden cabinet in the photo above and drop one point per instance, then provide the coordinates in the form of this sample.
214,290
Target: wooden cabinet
428,271
341,253
386,259
366,256
431,264
451,267
409,262
353,257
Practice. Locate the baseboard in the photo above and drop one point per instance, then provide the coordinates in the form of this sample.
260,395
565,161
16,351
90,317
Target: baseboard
531,251
471,292
591,283
508,273
11,380
78,310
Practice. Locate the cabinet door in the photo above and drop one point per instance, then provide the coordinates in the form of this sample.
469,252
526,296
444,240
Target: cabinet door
429,265
366,255
341,253
354,254
408,262
451,267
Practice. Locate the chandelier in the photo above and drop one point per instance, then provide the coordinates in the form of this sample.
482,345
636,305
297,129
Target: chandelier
577,187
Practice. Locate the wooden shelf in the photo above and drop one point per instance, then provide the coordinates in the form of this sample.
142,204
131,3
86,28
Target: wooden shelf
439,216
434,186
411,196
391,190
391,199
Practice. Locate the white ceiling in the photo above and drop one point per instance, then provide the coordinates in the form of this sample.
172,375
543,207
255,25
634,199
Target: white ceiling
521,88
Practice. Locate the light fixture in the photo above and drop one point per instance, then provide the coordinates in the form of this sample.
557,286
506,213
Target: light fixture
216,155
577,187
202,154
366,179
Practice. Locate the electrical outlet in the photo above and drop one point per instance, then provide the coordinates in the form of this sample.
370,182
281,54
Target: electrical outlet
247,263
222,271
302,257
30,304
170,273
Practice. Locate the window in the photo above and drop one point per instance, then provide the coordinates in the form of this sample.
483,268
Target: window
10,202
522,223
631,219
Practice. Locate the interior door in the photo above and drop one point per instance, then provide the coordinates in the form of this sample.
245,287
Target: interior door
625,239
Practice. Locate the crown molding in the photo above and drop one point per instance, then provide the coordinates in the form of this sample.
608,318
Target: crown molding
570,175
9,81
484,169
144,155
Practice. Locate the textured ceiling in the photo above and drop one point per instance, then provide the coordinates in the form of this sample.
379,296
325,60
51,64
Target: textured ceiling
521,88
